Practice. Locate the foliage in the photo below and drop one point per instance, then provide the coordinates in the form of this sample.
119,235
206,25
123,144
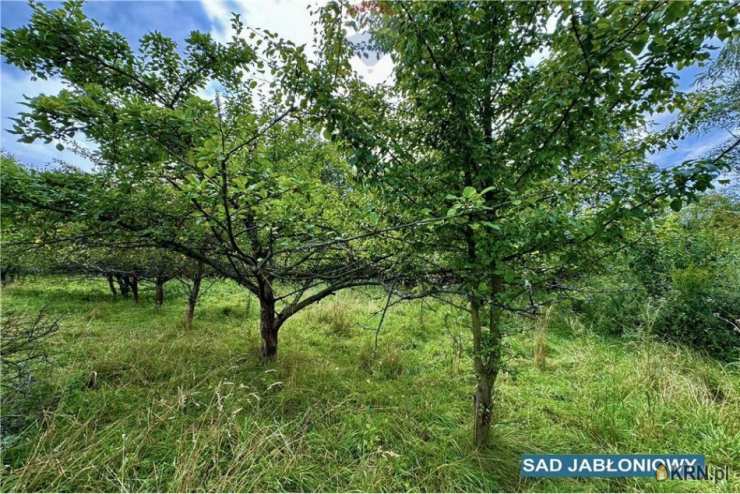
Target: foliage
702,310
612,304
509,153
699,263
686,267
516,170
718,92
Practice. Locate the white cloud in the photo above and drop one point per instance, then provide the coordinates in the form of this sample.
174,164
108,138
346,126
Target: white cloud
662,119
538,56
709,143
219,13
374,73
291,20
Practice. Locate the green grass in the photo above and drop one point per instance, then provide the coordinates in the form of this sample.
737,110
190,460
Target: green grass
178,410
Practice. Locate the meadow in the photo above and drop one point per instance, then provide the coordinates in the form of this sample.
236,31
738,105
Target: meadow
137,403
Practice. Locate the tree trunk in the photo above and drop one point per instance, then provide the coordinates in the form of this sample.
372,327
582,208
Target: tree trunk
483,403
135,287
189,314
159,292
268,328
111,285
123,285
486,363
193,298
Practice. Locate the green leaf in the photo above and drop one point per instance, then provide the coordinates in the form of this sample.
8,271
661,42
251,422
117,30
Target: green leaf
638,43
676,9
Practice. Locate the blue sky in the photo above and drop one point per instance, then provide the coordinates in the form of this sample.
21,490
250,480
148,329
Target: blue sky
131,18
289,18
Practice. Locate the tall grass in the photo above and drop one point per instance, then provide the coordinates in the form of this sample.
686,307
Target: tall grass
186,411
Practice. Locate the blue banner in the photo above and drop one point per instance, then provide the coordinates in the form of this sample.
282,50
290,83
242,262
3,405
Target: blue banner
656,466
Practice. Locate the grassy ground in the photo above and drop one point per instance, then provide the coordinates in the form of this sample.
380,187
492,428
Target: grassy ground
178,410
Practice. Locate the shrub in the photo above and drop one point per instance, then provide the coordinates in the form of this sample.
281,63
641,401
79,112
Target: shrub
612,305
24,359
697,258
678,280
702,309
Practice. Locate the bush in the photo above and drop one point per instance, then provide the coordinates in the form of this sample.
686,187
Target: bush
612,305
687,265
701,310
24,360
700,307
698,257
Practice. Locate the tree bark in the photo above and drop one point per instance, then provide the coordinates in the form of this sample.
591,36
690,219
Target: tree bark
486,363
268,329
268,324
483,403
135,287
189,315
193,297
123,285
111,285
159,292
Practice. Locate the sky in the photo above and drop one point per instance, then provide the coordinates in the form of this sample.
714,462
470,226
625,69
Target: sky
289,18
